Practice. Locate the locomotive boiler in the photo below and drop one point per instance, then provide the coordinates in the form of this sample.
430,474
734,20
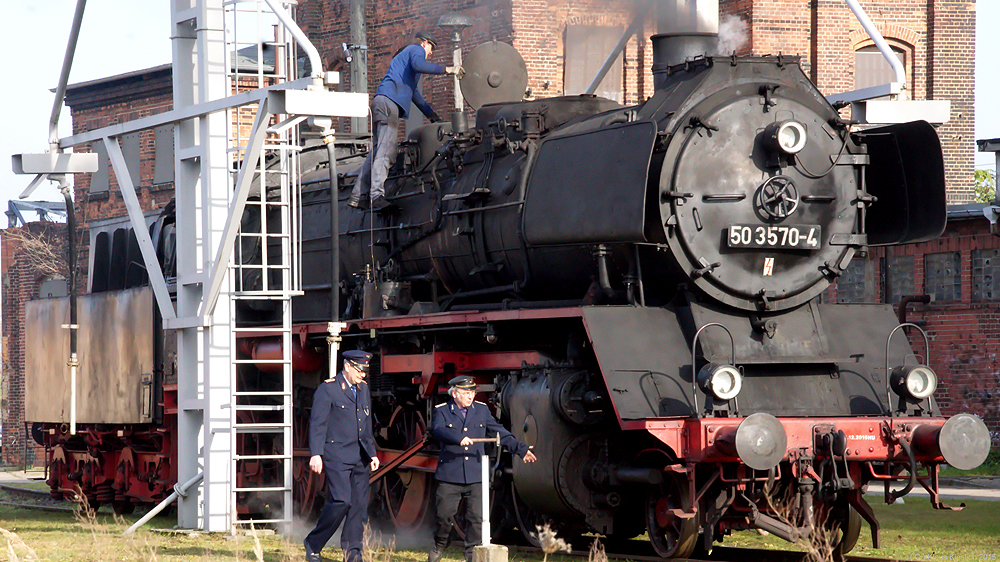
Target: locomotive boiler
636,289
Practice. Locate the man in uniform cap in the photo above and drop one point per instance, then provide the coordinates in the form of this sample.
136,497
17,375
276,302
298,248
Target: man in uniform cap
342,445
398,90
459,469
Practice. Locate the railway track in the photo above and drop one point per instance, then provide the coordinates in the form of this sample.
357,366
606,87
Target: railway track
39,496
719,554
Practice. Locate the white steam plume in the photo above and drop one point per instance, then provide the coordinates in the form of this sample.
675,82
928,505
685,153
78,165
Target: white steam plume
732,34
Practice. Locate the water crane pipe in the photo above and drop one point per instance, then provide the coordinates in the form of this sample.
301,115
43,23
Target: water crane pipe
876,36
74,34
315,62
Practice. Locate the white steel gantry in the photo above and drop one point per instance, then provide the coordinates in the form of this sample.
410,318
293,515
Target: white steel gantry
218,155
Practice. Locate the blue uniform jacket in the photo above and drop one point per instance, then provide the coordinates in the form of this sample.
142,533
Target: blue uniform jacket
400,82
458,464
340,428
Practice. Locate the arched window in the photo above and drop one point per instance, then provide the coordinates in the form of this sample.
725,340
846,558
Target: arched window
871,68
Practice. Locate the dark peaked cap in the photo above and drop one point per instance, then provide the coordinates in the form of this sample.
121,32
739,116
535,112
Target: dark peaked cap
463,382
426,36
358,357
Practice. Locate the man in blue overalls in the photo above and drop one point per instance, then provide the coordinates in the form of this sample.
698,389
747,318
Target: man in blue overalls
459,469
398,90
342,445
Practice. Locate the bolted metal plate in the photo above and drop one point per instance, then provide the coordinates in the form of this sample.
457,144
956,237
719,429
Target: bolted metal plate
964,441
494,73
761,441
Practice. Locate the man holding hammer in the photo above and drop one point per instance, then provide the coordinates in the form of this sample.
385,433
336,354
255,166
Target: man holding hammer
461,425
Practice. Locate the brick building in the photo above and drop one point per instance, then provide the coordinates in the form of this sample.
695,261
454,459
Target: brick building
564,42
33,258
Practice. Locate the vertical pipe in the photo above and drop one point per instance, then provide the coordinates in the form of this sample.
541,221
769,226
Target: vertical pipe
486,496
456,59
334,228
359,63
71,242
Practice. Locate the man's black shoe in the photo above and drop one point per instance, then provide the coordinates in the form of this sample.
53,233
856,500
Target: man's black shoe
354,201
435,554
380,203
311,555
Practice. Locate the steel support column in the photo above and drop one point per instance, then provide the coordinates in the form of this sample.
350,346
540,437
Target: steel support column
202,199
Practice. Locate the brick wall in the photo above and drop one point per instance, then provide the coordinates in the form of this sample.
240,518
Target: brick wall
109,102
938,37
21,280
963,333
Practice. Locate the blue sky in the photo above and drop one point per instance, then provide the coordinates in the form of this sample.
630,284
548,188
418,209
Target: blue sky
119,36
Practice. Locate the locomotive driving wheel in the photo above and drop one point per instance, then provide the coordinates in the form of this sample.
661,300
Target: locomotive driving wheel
306,485
671,535
407,492
845,523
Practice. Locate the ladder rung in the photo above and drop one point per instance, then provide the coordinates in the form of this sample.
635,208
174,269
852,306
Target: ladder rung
261,393
262,361
260,408
274,489
261,457
260,521
262,427
263,295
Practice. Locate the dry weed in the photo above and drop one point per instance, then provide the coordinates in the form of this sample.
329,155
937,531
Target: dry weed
375,548
597,553
820,543
15,545
106,539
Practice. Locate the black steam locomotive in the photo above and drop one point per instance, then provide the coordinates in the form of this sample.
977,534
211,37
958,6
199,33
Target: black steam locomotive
636,291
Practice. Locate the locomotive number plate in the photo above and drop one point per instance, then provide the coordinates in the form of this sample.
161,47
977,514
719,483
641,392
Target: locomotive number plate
790,236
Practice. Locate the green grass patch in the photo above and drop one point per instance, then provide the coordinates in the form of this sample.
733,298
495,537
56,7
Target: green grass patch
912,531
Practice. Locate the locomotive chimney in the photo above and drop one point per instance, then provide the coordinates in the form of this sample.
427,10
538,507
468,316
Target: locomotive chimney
685,29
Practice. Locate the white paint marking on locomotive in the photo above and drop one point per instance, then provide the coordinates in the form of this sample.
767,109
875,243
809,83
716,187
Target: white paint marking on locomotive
768,266
863,437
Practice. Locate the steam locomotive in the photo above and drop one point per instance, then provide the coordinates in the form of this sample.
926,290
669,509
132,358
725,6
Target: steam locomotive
636,290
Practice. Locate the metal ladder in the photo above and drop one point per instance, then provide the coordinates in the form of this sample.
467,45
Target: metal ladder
261,412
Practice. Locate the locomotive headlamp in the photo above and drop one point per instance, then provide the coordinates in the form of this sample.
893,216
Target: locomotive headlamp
722,381
918,381
787,136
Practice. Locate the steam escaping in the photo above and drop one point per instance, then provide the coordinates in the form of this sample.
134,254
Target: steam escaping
732,34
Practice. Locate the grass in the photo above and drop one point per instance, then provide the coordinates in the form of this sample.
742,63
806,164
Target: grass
911,531
914,531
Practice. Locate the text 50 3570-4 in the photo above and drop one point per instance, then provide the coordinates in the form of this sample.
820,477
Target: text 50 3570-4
788,236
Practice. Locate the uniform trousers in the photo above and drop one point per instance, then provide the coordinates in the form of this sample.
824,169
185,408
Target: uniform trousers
448,497
347,486
375,170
